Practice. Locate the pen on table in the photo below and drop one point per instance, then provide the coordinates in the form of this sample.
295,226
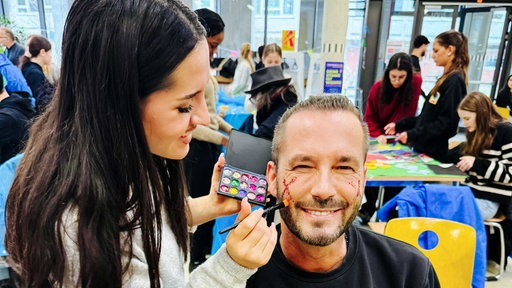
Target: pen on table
265,212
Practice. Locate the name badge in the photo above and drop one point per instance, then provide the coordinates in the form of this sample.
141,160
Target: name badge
434,98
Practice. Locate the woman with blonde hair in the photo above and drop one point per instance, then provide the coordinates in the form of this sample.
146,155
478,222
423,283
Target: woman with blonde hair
244,68
438,122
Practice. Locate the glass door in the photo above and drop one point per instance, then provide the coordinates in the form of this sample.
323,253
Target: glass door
483,27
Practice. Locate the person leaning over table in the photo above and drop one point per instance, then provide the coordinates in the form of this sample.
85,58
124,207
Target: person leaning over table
486,157
100,199
438,121
392,98
318,154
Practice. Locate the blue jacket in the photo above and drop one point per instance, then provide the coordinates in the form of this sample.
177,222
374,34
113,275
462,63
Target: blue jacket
455,203
15,80
7,172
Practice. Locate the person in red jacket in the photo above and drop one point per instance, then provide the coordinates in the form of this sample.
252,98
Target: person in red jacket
394,97
390,99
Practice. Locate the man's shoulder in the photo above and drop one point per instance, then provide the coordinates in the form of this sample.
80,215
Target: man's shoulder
386,245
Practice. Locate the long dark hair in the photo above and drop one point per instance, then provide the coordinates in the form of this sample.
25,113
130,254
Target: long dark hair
487,119
87,154
460,61
505,88
400,61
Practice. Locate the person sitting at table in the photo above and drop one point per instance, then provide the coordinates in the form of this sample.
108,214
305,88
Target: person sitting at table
504,98
486,157
438,121
272,95
206,140
390,99
318,155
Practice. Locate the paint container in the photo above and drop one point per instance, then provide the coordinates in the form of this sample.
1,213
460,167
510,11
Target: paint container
243,174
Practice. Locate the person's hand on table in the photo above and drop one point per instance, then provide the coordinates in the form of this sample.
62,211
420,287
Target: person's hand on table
401,137
382,139
251,243
390,129
466,163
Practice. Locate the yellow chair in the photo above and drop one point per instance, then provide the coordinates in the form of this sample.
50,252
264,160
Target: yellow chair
504,112
453,257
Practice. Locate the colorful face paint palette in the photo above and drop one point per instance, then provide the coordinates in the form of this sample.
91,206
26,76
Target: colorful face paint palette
243,174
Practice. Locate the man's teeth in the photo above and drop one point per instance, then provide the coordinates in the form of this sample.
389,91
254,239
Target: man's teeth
319,213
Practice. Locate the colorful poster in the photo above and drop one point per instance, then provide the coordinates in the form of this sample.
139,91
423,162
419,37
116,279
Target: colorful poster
333,80
288,40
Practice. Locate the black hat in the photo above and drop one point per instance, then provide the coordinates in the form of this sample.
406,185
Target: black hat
266,77
420,40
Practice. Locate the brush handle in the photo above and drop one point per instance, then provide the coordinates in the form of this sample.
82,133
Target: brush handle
265,212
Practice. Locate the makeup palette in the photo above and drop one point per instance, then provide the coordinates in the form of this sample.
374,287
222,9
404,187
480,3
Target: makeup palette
243,174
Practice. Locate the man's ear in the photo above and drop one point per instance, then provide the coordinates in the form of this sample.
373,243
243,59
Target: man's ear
272,178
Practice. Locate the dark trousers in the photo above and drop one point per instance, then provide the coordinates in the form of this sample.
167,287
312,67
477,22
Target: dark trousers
372,194
494,244
199,165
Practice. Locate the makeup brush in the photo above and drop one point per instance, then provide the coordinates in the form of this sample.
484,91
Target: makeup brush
265,212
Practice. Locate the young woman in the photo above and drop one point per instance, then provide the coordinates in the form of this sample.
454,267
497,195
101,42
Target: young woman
504,98
100,199
244,68
438,121
394,97
272,55
37,56
486,157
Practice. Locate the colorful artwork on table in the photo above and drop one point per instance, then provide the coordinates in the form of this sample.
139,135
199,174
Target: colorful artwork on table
396,160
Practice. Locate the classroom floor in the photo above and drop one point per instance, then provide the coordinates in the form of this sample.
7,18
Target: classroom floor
505,280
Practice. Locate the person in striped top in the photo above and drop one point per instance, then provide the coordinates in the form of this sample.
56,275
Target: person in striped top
486,157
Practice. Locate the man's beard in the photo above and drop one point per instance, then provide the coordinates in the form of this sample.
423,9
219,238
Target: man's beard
318,239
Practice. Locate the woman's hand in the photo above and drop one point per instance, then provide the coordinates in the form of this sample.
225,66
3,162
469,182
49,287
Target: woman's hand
251,243
213,205
382,139
402,138
390,128
466,163
224,205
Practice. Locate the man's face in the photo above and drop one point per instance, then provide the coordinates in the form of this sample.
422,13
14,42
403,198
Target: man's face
321,172
4,38
423,49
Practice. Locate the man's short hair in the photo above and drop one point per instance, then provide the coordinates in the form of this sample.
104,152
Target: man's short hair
420,40
325,103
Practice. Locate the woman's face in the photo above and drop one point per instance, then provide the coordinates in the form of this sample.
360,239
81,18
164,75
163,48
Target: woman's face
171,114
397,77
509,83
272,59
443,56
468,119
214,42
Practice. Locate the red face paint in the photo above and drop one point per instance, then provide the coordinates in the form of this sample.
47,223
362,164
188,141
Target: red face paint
286,191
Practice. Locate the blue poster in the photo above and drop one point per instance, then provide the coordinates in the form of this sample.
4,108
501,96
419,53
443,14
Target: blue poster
333,80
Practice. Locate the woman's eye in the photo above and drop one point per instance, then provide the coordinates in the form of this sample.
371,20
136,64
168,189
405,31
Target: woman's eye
185,109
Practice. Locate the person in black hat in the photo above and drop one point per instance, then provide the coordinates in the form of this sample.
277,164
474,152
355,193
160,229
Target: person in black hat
272,95
420,45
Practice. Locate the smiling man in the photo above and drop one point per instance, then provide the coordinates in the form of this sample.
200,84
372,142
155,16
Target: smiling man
318,154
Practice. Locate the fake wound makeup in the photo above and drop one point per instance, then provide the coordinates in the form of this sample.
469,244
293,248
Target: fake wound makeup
243,174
